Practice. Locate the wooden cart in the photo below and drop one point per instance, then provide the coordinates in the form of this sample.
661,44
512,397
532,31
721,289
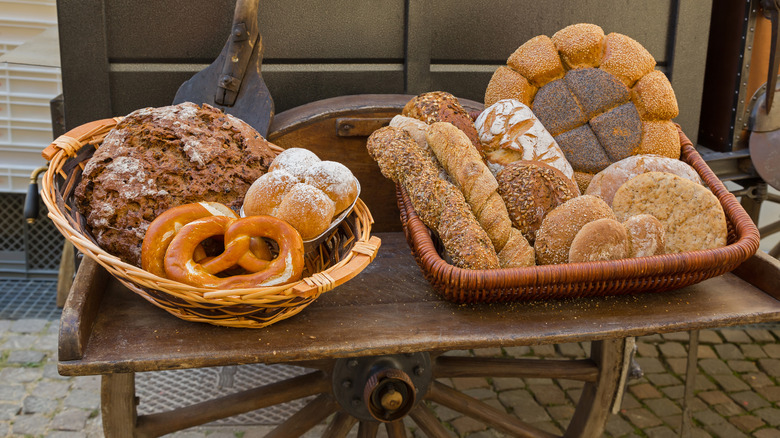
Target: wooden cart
376,343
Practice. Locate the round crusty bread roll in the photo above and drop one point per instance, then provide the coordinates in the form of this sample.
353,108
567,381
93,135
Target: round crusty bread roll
295,161
530,190
692,216
335,180
605,183
308,209
646,235
265,194
302,190
561,225
600,240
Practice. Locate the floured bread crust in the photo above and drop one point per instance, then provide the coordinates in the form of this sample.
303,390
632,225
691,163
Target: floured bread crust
646,235
509,132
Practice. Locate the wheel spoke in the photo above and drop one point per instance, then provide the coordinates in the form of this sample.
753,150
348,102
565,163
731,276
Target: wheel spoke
396,429
368,429
429,424
237,403
584,370
457,401
340,426
594,404
309,416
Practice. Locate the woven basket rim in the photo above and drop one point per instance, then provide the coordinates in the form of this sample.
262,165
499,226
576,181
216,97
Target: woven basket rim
363,250
460,284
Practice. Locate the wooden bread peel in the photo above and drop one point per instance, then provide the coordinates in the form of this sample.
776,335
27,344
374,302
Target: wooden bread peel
233,82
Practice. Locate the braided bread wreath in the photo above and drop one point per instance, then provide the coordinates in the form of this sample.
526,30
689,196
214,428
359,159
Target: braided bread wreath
598,95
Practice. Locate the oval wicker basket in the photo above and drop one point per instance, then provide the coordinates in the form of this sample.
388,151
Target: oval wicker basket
642,274
336,260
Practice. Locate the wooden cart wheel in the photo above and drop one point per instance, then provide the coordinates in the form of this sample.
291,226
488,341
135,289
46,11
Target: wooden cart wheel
379,392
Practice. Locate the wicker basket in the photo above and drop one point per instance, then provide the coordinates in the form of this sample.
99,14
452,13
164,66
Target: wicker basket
339,258
643,274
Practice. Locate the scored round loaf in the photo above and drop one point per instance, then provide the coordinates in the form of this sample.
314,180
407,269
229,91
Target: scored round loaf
598,96
692,216
440,106
530,190
509,132
302,190
600,240
561,225
159,158
605,183
646,235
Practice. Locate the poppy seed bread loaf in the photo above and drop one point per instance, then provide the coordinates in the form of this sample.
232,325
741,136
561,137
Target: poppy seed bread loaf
598,95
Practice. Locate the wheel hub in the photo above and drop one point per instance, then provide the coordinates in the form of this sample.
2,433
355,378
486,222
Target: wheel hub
381,388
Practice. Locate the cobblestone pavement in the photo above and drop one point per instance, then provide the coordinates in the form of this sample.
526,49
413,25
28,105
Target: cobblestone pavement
737,391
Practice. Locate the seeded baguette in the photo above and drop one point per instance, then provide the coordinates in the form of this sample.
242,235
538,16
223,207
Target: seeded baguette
439,204
465,166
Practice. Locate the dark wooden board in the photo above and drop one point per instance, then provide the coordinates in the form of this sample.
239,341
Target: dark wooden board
389,308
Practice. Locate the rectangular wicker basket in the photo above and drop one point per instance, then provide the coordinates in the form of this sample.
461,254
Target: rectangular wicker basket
644,274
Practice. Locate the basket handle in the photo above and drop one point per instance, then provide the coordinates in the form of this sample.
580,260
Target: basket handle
364,253
73,140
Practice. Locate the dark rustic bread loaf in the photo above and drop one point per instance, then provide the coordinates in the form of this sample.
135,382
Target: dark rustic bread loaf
440,106
158,158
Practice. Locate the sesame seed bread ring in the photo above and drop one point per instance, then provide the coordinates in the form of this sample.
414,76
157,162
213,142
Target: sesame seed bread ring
598,96
693,218
509,84
580,46
537,60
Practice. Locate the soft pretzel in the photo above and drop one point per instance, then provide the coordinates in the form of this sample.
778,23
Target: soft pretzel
162,229
180,264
